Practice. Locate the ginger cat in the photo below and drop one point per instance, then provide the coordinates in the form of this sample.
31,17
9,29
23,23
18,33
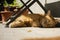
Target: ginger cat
34,20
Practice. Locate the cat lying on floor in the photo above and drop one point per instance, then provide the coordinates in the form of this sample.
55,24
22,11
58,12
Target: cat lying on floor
34,20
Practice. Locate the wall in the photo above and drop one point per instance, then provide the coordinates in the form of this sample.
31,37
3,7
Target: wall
54,7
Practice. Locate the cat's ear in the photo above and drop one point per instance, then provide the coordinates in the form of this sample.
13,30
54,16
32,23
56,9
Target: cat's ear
48,15
49,12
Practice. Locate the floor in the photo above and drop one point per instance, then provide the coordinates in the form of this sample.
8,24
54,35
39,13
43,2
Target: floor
2,25
22,33
28,32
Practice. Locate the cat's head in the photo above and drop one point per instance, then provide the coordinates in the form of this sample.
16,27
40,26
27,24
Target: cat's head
48,20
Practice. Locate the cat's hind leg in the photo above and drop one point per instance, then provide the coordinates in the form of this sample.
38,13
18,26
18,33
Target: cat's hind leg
16,24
